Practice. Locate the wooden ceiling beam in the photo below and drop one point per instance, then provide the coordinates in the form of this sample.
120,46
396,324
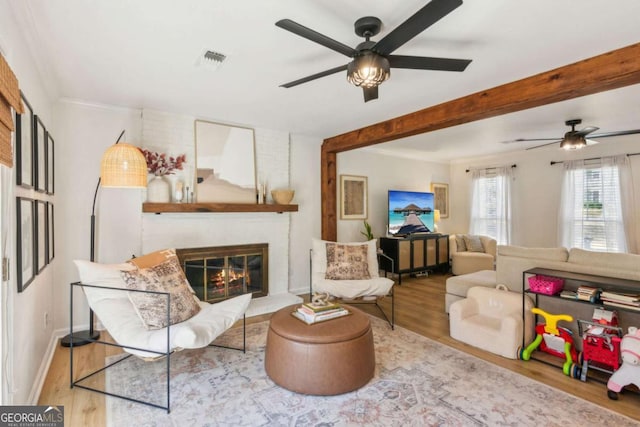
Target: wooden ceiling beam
610,70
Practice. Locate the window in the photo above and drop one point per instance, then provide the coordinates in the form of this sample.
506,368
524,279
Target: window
592,214
491,203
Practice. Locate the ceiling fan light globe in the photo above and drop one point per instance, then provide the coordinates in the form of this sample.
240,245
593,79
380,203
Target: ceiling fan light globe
572,142
368,70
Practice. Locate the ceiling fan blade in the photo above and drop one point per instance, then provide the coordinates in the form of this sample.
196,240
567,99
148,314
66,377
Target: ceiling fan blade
586,131
530,139
618,133
315,36
428,63
431,13
543,145
370,93
315,76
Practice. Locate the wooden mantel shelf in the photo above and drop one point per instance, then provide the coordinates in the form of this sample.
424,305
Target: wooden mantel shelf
215,207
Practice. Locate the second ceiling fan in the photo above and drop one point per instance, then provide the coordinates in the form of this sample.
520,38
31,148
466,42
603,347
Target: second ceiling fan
372,60
576,139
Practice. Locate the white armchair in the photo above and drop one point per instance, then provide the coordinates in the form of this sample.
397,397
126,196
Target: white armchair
350,272
469,258
491,319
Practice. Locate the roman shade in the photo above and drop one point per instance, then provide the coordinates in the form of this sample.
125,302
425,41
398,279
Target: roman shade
9,97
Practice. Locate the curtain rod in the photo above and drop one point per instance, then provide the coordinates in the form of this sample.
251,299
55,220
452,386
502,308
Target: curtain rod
490,169
592,158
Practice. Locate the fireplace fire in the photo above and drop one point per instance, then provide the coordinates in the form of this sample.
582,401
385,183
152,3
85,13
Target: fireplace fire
221,272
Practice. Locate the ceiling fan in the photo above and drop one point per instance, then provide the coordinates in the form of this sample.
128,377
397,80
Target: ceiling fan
373,60
575,139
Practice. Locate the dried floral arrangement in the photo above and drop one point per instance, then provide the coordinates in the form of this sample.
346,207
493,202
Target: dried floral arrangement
159,164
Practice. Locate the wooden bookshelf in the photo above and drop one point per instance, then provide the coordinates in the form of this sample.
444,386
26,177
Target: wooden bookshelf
159,208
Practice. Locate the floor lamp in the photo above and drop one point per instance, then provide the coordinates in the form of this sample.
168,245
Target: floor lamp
122,166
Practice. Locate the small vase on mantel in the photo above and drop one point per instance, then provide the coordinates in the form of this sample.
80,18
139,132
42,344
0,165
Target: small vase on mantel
158,190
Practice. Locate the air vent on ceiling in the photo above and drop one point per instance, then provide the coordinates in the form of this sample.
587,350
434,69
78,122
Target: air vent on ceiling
211,59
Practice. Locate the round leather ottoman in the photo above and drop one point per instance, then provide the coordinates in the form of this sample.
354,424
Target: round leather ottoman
332,357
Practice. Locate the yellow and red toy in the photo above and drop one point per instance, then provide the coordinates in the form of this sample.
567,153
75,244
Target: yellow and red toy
555,340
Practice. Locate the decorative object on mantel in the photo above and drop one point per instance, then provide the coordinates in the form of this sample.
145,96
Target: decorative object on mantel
282,196
159,188
122,166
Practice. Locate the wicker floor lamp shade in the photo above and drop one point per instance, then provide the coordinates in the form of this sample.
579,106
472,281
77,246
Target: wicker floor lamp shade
123,165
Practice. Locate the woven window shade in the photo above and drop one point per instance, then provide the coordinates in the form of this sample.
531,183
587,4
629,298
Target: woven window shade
123,165
9,97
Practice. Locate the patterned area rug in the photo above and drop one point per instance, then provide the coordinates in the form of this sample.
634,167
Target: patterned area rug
418,382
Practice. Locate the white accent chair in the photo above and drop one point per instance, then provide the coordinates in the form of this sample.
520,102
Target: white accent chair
465,262
491,319
366,291
108,297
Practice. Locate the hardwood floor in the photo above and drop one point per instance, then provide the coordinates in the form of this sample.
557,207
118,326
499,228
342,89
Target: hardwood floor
419,307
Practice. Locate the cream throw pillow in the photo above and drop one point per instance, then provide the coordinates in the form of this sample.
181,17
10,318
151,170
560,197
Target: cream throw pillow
152,308
347,262
473,243
460,245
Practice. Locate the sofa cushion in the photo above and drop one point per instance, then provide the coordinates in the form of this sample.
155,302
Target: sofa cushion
549,254
616,261
459,285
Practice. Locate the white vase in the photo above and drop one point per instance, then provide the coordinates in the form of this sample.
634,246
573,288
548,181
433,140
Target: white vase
158,190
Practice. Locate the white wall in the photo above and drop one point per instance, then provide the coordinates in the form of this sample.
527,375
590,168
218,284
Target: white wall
306,223
536,187
385,173
23,360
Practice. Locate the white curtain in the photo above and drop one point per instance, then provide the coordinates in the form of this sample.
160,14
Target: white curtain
491,203
596,206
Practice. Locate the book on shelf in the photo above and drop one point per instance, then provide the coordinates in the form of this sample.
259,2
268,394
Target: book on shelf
618,296
317,318
632,303
569,294
622,305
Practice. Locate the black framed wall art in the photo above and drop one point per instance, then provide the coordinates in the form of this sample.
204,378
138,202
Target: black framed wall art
50,168
24,146
40,154
41,236
25,242
51,252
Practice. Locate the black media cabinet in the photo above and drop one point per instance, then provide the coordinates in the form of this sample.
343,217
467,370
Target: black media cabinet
416,253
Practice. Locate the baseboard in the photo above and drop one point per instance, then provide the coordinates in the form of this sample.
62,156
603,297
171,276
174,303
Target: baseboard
34,395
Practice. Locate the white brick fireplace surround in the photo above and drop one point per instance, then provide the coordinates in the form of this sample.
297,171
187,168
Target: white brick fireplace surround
173,134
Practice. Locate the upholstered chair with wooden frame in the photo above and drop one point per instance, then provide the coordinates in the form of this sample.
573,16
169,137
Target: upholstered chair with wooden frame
158,334
349,272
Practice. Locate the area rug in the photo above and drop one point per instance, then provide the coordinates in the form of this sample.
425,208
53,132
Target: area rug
418,382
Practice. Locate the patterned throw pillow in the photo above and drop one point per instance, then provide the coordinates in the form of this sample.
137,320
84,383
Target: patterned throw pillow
460,245
152,308
347,262
473,243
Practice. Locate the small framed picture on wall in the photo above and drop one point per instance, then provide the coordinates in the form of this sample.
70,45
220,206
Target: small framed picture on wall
50,155
24,146
25,242
353,197
40,155
441,198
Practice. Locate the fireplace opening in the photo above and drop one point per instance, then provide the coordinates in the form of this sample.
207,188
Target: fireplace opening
220,272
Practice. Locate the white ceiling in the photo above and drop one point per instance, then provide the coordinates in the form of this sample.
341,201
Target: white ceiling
143,54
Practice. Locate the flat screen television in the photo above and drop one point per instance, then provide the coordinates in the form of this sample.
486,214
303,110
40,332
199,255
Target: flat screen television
410,212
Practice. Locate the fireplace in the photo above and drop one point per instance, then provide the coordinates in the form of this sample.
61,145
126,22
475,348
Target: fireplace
220,272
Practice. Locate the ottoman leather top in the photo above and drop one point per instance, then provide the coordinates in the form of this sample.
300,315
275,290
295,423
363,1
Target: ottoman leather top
335,330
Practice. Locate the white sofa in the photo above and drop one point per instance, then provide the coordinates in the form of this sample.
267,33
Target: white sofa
511,261
465,262
492,320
